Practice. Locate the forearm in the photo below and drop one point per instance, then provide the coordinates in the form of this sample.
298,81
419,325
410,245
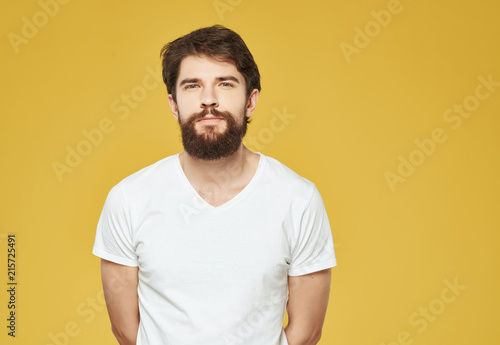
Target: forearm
306,307
126,337
124,324
300,336
122,300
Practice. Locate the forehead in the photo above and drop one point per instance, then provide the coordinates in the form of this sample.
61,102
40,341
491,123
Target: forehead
206,68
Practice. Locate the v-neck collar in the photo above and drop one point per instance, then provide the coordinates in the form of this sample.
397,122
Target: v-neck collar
234,199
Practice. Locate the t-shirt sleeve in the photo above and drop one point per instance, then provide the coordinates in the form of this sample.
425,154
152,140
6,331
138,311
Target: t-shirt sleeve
114,235
313,248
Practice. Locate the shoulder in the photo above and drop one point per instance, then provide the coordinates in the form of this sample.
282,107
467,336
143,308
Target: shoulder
287,180
150,176
284,173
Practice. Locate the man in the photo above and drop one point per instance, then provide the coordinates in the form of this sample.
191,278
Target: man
209,246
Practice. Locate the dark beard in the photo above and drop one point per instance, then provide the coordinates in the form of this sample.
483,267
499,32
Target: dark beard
212,145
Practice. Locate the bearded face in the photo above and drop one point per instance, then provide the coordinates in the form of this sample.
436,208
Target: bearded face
212,134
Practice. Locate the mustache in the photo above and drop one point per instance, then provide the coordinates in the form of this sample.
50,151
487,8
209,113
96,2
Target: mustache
211,110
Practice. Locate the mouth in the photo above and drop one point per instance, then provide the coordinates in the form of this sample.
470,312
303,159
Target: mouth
210,118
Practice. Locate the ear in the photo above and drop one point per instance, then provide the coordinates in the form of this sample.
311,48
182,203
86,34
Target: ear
252,102
173,106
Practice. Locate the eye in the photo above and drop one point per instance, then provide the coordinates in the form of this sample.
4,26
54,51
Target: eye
226,84
190,86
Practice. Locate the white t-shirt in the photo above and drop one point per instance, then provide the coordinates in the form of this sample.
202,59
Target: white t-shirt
214,275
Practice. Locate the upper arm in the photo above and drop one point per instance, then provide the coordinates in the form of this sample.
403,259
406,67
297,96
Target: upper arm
122,301
307,303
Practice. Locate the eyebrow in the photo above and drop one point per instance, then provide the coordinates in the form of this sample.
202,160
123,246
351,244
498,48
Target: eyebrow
196,80
228,77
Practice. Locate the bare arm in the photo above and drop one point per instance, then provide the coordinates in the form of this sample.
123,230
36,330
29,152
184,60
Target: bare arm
306,307
120,292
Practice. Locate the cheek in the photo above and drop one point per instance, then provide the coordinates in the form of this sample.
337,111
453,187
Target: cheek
186,106
232,102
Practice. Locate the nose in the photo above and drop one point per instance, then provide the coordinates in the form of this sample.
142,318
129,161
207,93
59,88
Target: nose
209,98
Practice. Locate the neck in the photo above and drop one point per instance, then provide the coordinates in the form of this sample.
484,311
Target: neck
223,171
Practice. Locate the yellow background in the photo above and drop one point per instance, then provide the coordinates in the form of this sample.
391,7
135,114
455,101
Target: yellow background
396,247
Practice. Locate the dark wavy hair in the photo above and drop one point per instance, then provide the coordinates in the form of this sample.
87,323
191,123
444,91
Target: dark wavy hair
217,42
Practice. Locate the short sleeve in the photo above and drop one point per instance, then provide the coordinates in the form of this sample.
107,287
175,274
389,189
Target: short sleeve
114,235
313,248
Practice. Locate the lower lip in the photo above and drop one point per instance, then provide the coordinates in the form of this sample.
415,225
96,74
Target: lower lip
207,121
